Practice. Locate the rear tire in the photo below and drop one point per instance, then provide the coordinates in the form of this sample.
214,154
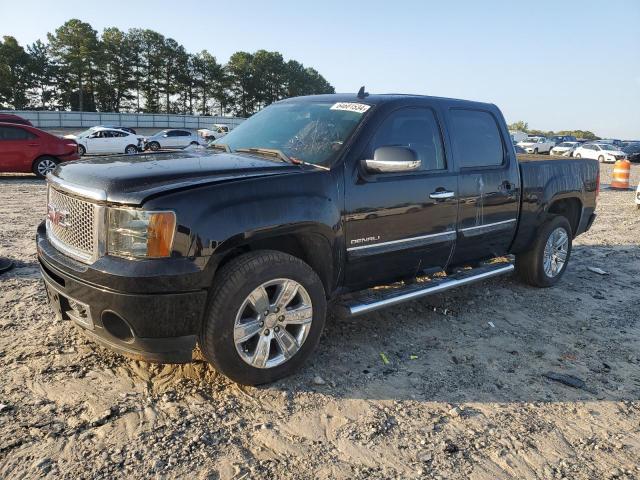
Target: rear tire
131,150
231,310
44,165
545,263
154,146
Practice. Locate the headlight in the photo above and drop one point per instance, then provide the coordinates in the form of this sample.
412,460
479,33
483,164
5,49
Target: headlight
139,233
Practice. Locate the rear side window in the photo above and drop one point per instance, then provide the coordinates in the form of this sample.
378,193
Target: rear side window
415,128
15,133
475,139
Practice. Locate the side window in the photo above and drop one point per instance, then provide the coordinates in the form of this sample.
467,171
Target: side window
182,133
415,128
476,139
172,133
15,133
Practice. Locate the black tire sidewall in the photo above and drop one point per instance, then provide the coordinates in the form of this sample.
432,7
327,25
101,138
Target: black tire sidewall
540,276
154,146
81,150
217,332
131,146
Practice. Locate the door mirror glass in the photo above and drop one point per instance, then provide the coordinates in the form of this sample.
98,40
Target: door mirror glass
392,159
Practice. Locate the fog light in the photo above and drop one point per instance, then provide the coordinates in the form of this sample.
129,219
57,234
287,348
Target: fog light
117,326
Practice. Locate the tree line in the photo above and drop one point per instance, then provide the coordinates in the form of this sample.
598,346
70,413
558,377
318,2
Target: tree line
141,70
522,126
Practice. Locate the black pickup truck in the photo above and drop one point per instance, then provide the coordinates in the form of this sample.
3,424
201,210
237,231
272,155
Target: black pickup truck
243,247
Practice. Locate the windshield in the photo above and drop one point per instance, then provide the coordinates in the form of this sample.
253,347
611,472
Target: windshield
607,147
312,132
86,133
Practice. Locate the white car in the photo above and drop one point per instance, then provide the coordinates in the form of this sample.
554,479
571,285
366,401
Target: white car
536,145
107,140
602,152
174,138
565,149
218,131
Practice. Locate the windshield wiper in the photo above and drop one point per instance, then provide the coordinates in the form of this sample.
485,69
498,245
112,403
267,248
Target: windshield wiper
274,152
271,152
220,146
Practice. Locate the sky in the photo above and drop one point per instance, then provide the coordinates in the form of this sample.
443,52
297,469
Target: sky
554,64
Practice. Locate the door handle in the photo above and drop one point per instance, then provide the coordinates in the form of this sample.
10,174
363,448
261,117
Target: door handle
441,194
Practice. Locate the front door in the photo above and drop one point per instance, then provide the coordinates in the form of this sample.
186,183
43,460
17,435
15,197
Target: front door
488,183
18,149
399,223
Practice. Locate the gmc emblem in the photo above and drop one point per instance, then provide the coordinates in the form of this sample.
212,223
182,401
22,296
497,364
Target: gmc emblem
57,217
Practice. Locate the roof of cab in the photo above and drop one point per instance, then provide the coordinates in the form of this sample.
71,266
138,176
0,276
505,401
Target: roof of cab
377,99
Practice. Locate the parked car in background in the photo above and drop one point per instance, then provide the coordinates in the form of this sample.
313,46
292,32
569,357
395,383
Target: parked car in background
517,136
558,139
633,152
565,149
519,149
603,152
610,141
16,119
107,140
116,127
176,138
25,149
210,134
537,145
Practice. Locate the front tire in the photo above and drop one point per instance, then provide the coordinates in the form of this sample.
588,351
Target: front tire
535,151
545,263
44,165
81,150
265,316
601,159
578,155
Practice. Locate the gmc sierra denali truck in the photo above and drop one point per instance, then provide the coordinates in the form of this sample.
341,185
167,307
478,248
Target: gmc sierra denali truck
310,203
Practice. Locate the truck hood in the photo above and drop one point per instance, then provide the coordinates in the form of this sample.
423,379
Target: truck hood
131,179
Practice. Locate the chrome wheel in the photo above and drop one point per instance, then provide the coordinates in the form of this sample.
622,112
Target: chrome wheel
272,323
555,252
130,150
45,166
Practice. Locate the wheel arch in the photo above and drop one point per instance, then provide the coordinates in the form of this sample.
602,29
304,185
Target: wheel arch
311,245
570,208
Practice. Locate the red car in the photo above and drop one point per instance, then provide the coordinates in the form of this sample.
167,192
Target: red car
11,118
26,149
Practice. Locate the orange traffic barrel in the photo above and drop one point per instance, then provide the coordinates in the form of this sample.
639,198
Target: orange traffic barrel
621,172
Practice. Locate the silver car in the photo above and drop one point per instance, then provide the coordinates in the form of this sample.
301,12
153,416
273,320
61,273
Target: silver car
173,138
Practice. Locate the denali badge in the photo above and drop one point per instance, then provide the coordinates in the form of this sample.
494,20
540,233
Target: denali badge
57,217
356,241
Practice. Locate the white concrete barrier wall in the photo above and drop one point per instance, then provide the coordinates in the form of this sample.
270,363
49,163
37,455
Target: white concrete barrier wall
50,119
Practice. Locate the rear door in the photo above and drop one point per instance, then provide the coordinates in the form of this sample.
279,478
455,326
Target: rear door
400,223
18,149
488,183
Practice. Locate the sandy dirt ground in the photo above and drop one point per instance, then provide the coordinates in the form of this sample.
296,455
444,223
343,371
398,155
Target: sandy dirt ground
463,396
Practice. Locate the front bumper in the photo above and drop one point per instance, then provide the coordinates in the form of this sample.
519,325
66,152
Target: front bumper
155,327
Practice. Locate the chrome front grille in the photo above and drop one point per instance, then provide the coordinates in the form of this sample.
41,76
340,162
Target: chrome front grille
71,225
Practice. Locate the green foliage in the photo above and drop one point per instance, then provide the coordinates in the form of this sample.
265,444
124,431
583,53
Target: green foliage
143,71
524,127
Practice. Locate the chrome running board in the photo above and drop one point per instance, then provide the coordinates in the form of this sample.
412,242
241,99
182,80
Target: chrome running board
371,300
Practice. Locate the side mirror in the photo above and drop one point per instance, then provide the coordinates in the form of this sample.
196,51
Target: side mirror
392,160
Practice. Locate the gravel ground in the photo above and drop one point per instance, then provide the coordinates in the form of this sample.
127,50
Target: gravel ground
463,395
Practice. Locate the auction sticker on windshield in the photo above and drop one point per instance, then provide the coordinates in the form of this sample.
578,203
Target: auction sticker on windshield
351,107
